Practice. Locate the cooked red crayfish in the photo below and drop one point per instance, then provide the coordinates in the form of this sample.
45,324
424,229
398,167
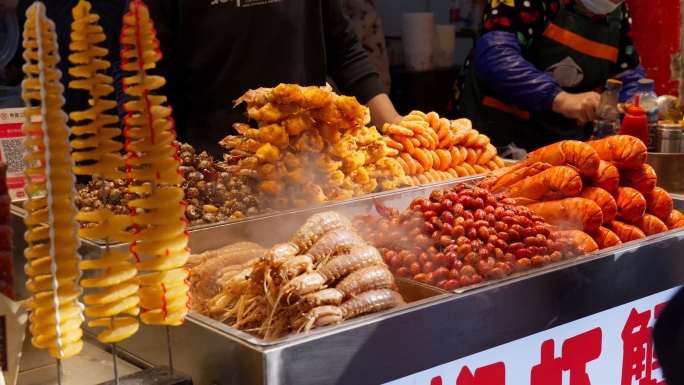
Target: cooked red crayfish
572,152
605,238
607,177
605,201
571,213
650,224
659,203
675,220
626,232
622,151
581,241
552,184
642,179
631,204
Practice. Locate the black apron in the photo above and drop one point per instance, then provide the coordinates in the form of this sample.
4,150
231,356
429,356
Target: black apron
579,53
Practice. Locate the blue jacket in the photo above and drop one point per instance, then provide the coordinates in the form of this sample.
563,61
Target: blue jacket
500,62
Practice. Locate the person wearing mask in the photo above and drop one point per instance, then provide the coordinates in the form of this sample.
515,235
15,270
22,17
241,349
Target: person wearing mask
535,74
216,50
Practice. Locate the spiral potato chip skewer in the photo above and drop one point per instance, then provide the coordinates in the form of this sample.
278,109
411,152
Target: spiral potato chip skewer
158,217
100,153
53,261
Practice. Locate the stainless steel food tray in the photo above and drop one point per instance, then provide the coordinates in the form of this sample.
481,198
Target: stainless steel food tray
392,344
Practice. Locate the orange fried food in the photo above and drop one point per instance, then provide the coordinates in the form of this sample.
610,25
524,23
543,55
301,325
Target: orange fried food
605,201
607,177
659,203
622,151
626,232
650,224
631,204
552,184
582,242
506,177
642,179
605,238
675,220
570,213
572,152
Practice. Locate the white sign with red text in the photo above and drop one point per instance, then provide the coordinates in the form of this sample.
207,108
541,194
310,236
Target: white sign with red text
12,149
611,347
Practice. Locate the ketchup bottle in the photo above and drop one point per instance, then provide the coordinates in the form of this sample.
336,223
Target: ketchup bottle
635,122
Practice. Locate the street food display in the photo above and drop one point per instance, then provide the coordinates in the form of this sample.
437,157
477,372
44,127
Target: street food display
113,298
324,275
432,149
6,268
52,253
465,235
304,146
311,145
212,194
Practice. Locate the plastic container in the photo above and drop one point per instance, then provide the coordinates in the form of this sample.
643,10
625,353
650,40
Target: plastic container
648,100
635,122
607,121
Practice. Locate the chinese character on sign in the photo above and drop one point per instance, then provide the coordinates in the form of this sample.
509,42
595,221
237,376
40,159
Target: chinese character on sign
638,360
494,374
577,352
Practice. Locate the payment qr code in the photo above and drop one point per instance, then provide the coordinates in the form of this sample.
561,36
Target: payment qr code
13,151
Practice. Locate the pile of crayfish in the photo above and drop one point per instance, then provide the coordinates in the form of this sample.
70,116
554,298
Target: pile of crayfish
324,275
466,235
603,188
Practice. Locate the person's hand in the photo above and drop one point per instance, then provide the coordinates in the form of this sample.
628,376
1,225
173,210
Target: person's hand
8,5
577,106
382,111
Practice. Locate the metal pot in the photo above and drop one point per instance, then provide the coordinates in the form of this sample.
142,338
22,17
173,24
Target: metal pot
670,171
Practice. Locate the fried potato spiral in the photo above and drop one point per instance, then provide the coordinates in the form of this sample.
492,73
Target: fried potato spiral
94,131
161,237
52,254
99,155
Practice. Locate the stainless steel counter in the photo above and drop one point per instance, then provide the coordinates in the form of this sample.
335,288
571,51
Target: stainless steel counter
431,331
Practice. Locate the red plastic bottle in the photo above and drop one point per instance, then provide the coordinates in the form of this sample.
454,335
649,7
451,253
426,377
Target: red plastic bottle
635,122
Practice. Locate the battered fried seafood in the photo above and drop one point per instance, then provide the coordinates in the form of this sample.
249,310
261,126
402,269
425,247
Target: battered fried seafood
311,129
431,149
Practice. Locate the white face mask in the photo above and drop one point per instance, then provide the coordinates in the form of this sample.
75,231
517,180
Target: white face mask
600,7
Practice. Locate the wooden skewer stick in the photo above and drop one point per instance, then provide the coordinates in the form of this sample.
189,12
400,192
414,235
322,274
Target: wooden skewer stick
168,343
59,372
103,181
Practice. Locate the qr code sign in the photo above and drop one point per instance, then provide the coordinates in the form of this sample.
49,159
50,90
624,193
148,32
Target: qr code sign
13,152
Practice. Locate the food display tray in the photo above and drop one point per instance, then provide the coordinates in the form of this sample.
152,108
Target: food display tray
434,328
386,346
